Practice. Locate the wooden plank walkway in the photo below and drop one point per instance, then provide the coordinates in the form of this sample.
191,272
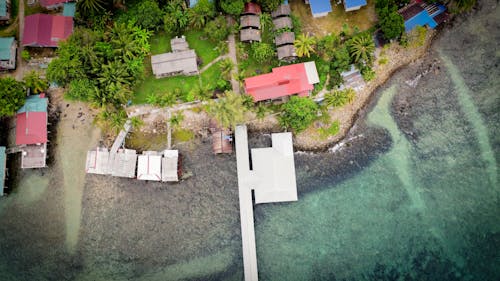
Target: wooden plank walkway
246,205
120,139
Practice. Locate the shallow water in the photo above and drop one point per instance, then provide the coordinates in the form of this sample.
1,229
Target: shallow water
413,196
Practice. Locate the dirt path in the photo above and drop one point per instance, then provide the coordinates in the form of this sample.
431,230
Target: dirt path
232,55
19,74
219,58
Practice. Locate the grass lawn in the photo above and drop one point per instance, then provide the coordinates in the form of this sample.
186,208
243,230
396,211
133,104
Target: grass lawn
170,84
205,49
363,18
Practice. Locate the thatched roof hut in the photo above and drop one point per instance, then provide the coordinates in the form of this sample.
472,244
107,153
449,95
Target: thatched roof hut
284,38
287,53
250,21
250,35
283,10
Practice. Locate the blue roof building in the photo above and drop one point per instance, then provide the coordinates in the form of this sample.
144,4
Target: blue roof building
421,14
320,8
4,10
69,9
3,165
352,5
8,48
34,103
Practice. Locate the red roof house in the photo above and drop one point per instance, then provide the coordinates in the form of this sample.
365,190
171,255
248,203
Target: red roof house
53,4
42,30
283,81
31,128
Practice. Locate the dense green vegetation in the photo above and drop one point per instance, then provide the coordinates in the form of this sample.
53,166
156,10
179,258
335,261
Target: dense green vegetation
298,113
229,110
12,96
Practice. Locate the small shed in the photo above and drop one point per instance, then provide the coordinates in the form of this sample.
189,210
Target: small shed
176,63
8,49
353,79
352,5
222,141
179,44
282,22
170,166
123,163
284,38
282,10
149,166
287,53
250,35
97,161
250,21
3,167
251,9
320,8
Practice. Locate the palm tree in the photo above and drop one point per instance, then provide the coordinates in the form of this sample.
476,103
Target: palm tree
304,45
361,48
228,110
90,6
33,82
226,66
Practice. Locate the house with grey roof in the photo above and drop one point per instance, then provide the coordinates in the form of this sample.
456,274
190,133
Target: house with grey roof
282,22
8,48
181,61
282,10
286,53
250,35
4,11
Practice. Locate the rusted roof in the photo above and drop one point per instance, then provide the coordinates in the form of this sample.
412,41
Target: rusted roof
251,8
410,11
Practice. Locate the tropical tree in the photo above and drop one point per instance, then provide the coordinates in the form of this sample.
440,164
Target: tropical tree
33,82
217,30
391,22
176,17
262,52
201,13
266,21
232,7
12,96
226,66
228,110
298,113
81,89
269,5
91,6
361,48
340,97
304,45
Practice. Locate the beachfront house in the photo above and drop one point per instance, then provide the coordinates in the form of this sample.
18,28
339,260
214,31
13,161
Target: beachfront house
282,82
8,48
319,8
422,14
42,30
181,61
352,5
3,168
31,132
4,11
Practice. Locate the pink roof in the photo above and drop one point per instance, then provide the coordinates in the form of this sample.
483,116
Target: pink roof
31,128
41,30
282,81
48,3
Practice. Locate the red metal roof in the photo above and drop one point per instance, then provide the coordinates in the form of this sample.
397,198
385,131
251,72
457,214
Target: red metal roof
41,30
31,128
282,81
48,3
251,8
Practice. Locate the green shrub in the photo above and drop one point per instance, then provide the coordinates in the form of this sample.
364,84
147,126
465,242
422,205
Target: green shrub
298,113
80,89
339,98
25,55
332,130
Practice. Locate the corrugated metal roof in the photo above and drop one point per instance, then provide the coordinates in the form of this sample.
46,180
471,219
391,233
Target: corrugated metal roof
34,103
354,3
3,8
420,19
320,6
69,9
46,30
5,45
3,158
31,128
